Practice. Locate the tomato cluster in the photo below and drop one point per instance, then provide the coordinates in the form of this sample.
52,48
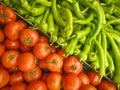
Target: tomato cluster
29,62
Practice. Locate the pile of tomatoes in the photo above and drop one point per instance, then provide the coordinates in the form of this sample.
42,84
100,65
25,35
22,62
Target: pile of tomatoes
29,62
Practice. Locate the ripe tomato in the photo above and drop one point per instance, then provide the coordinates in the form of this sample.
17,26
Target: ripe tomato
106,85
83,78
37,85
44,77
9,58
5,88
42,64
61,53
24,48
87,87
4,77
11,44
72,64
29,37
2,50
54,81
26,62
16,77
13,69
18,86
53,49
43,38
41,50
71,82
54,62
13,29
94,78
7,15
32,75
2,36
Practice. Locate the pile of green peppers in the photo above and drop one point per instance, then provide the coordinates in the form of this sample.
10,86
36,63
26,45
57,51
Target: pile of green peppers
89,29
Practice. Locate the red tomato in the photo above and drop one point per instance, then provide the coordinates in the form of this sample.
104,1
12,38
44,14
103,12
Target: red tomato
43,38
29,37
72,64
11,44
2,36
32,75
54,62
4,77
53,49
37,85
44,77
41,50
71,82
54,81
2,50
88,87
61,53
13,69
26,62
9,58
42,64
106,85
83,78
5,88
13,29
24,48
7,15
16,77
94,78
18,86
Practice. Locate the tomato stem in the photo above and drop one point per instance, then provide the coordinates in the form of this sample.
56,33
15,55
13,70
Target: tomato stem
4,15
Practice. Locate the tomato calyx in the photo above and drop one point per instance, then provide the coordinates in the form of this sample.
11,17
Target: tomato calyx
11,56
53,61
32,72
27,40
73,67
3,15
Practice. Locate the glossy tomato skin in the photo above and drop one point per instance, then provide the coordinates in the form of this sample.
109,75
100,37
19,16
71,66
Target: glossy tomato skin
72,65
7,15
32,75
26,62
41,50
12,44
9,58
19,86
71,82
2,36
43,38
54,80
24,48
37,85
88,87
13,29
16,77
2,49
29,37
61,53
83,78
53,49
5,88
54,62
106,85
4,77
42,64
94,77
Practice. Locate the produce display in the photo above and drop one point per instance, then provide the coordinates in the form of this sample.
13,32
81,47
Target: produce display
83,31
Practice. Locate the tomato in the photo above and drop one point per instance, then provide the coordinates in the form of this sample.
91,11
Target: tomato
71,82
13,29
26,62
4,77
13,69
2,36
2,50
11,44
9,58
44,77
41,50
54,81
94,78
18,86
24,48
83,78
32,75
88,87
16,77
5,88
106,85
43,38
7,15
72,64
42,64
29,37
54,62
61,53
37,85
53,48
